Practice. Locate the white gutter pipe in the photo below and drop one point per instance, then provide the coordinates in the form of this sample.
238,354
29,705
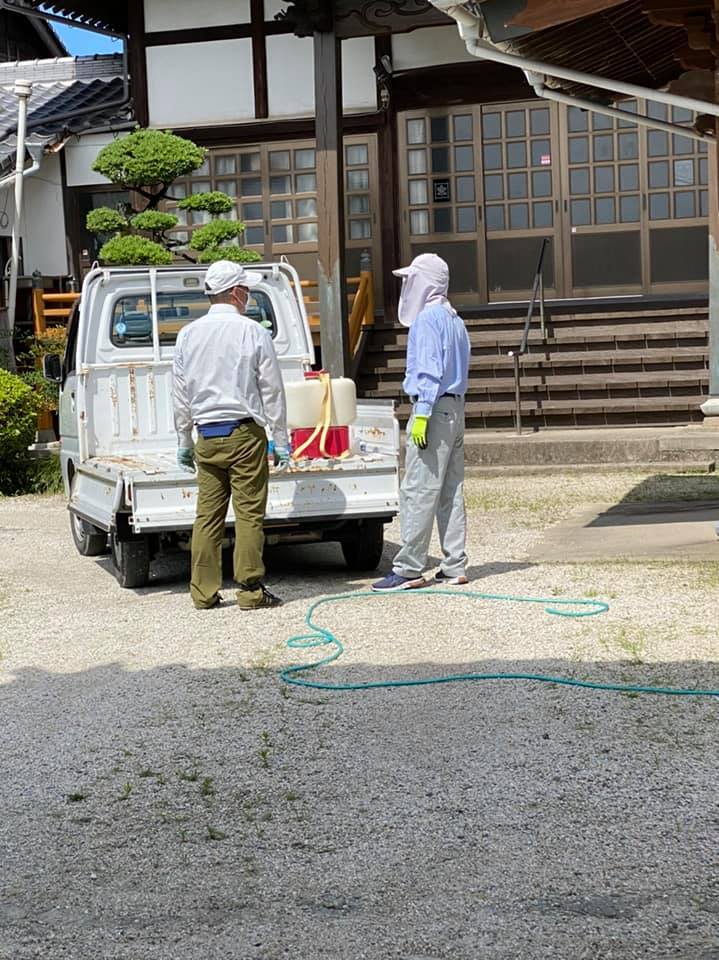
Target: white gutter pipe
23,89
536,81
469,27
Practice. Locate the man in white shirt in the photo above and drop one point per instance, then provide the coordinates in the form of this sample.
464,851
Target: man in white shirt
227,384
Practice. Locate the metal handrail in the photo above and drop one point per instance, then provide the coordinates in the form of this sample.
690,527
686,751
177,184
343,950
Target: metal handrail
537,294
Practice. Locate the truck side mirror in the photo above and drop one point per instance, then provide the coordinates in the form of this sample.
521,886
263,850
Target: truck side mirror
52,368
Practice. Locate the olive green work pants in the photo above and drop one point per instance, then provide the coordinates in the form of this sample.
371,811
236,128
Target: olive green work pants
234,466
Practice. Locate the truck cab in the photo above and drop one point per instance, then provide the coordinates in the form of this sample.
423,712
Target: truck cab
118,443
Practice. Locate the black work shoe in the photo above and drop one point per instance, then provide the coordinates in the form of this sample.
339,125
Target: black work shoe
256,598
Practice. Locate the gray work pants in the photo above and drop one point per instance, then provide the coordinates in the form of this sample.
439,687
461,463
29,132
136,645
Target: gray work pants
433,486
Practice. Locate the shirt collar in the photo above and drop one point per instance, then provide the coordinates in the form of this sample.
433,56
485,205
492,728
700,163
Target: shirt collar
227,308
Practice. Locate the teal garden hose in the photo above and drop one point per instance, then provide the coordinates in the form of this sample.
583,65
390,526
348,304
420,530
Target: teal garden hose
322,636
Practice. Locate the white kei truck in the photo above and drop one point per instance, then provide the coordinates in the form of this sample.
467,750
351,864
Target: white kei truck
118,443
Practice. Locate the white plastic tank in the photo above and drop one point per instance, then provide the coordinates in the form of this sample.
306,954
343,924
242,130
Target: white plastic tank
304,403
305,397
344,402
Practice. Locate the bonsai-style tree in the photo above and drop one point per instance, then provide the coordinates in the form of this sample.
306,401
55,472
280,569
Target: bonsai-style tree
147,163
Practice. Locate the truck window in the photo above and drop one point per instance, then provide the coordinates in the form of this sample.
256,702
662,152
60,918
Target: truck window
131,323
68,361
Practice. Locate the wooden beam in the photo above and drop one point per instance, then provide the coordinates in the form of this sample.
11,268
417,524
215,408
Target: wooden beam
136,61
389,213
334,332
229,31
259,59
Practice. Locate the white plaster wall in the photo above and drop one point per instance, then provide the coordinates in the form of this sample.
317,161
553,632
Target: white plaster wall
186,14
290,76
80,155
428,47
200,84
359,89
42,227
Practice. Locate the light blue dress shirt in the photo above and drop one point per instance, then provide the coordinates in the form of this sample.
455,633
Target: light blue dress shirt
437,358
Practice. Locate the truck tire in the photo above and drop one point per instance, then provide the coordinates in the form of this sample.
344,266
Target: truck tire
90,540
363,544
132,561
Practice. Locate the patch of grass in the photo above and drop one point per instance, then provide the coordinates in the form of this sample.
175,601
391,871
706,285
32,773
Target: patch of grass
206,788
291,795
190,776
147,772
629,641
126,791
214,834
76,797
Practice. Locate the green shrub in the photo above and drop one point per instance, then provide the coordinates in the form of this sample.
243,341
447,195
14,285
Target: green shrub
148,157
215,233
229,252
154,220
105,220
132,251
18,419
213,202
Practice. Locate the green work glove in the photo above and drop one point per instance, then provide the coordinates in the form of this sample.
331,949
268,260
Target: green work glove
186,458
418,433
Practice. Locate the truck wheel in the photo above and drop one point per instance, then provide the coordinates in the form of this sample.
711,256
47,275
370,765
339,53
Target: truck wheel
90,540
362,546
132,561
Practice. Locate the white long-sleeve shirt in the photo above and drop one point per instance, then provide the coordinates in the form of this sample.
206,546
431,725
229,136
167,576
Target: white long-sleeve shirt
225,368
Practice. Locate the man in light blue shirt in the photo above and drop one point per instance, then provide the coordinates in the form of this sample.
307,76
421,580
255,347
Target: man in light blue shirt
438,352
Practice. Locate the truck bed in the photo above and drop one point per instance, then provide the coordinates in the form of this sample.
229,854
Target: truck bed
160,496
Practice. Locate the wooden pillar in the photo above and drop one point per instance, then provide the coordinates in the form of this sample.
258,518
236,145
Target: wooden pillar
332,288
136,61
388,160
710,408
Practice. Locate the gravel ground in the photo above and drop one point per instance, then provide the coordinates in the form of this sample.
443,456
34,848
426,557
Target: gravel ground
164,797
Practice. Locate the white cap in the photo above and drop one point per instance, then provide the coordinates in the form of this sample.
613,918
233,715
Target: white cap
429,264
224,275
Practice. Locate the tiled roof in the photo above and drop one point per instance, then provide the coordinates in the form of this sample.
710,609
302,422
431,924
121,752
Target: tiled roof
68,95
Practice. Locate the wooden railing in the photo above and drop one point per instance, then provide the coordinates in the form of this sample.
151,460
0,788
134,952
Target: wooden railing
360,302
49,310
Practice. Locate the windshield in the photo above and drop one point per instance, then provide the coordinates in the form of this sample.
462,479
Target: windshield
131,323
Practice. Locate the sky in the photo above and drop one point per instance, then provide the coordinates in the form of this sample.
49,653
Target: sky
83,43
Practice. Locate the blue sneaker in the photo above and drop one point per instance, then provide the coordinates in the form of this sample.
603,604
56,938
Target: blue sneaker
393,583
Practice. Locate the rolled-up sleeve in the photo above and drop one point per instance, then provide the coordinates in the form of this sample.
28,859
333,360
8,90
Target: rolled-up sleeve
425,350
272,391
181,400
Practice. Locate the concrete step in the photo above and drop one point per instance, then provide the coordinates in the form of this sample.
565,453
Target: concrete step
686,447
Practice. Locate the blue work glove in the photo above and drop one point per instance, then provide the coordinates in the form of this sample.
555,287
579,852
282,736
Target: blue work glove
282,455
186,458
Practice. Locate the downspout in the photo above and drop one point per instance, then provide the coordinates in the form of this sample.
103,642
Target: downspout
469,27
23,89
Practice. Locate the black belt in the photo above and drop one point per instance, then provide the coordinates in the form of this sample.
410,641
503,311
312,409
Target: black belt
452,396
